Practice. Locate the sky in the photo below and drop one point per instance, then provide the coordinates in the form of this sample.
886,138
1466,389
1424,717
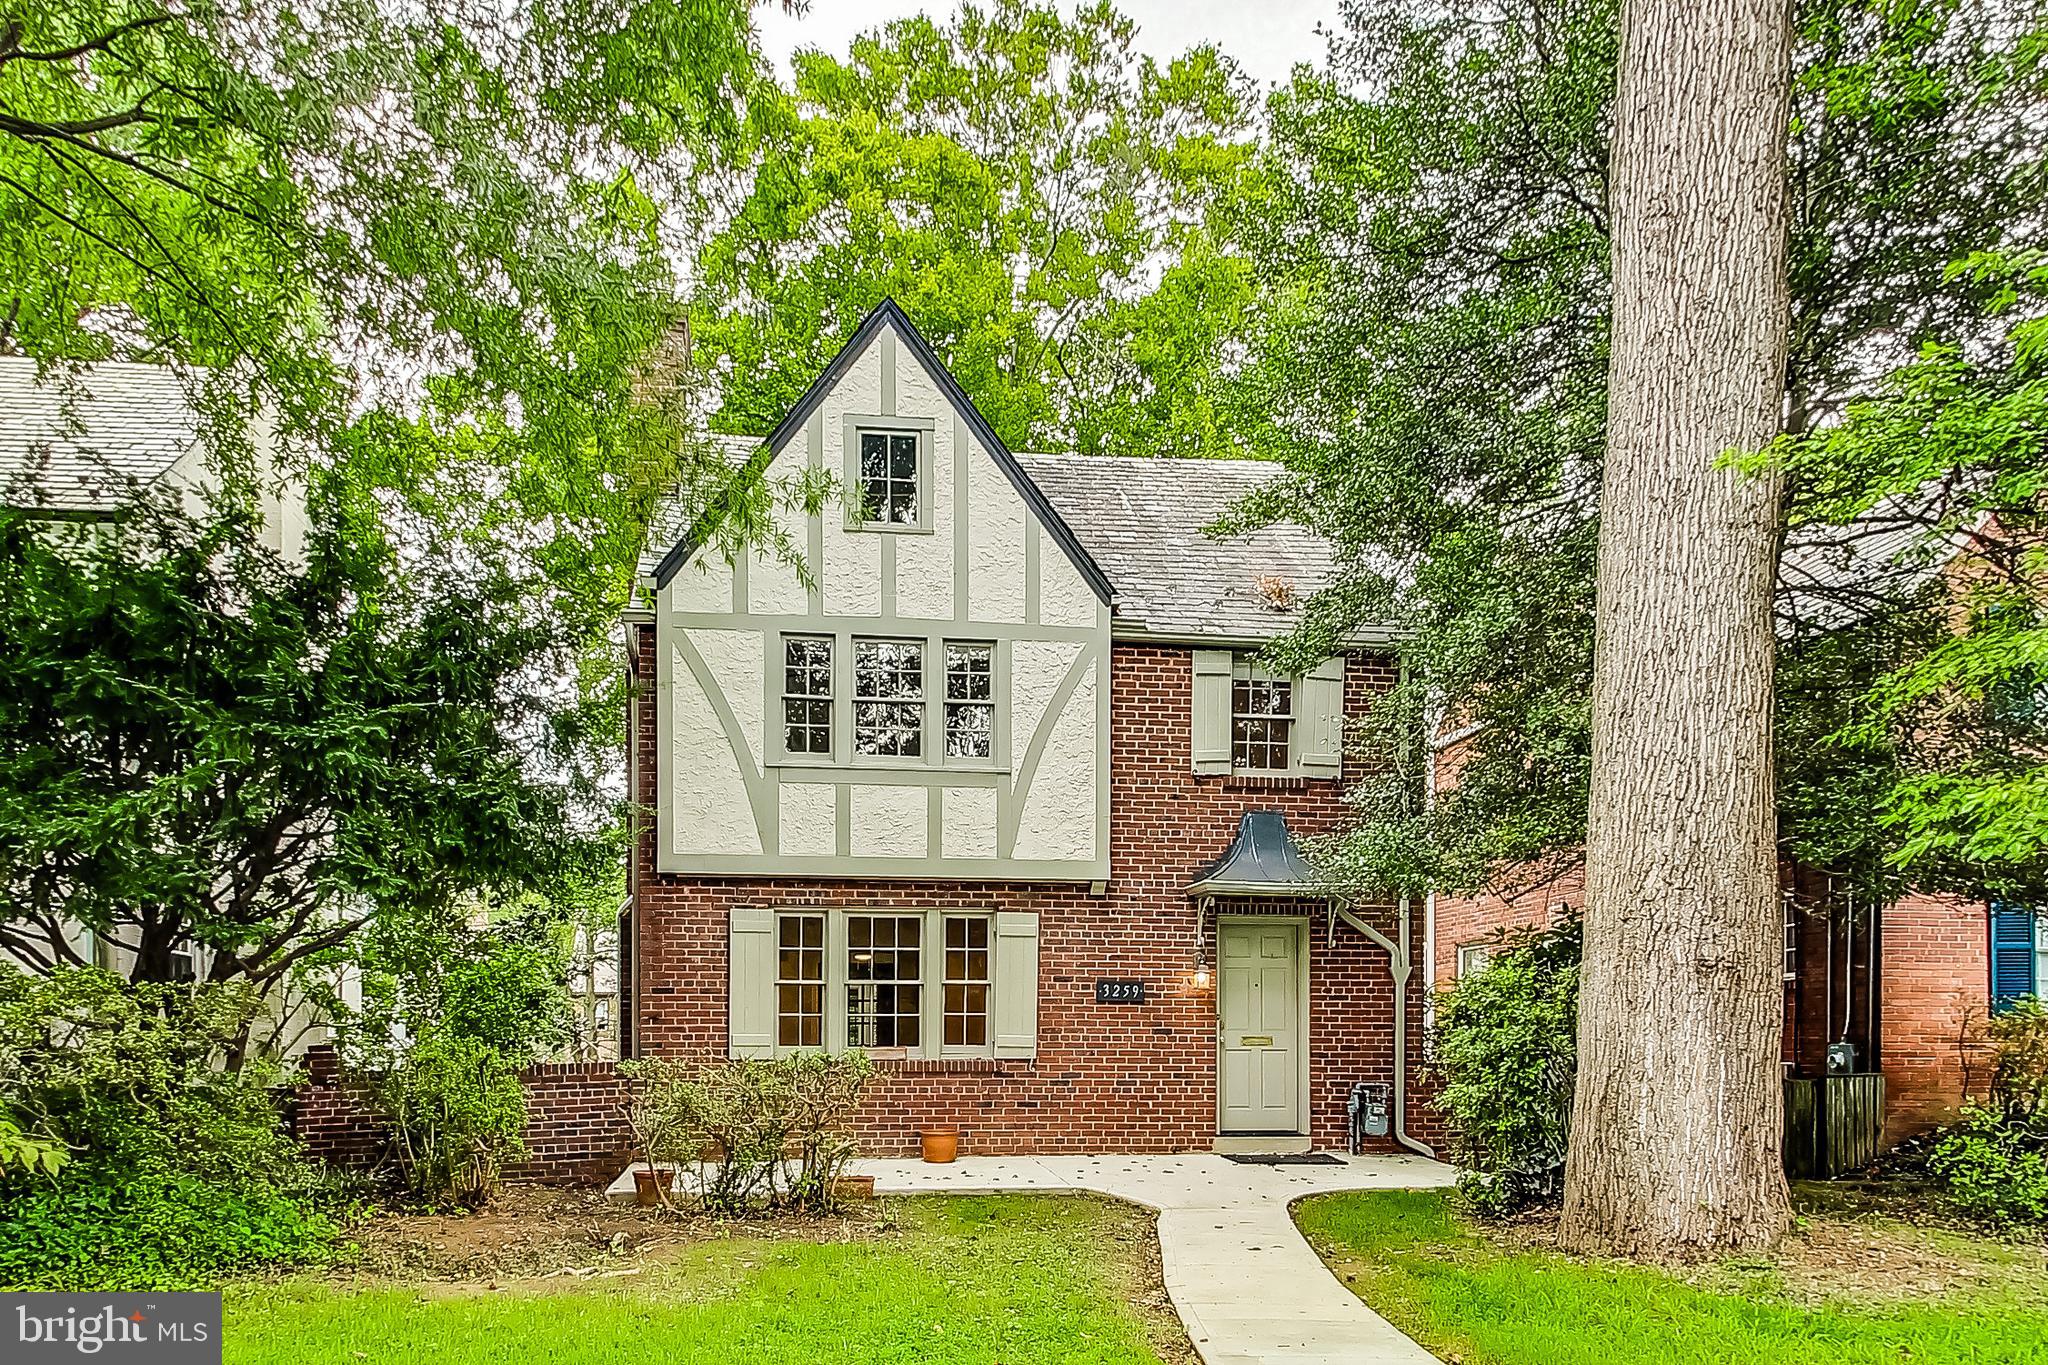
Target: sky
1266,36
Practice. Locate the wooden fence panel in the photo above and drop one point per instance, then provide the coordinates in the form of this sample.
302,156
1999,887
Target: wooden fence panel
1833,1124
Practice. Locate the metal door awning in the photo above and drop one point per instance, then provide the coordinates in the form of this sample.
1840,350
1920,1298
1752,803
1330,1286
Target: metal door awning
1263,860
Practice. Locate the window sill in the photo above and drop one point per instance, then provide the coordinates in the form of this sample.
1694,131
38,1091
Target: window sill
955,1066
888,528
829,772
1270,781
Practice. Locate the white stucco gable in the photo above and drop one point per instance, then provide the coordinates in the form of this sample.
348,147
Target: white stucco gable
929,697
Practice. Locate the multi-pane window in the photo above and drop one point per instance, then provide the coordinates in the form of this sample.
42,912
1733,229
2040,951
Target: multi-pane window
1473,958
884,980
888,698
966,981
800,980
970,700
1791,944
807,694
888,478
1261,719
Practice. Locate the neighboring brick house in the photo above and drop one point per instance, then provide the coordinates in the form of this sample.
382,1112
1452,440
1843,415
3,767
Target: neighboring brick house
998,791
1902,986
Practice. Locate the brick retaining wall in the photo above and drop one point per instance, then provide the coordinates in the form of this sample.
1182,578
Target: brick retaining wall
575,1127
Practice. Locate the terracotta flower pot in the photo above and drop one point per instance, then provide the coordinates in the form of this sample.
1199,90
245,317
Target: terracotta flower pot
854,1187
940,1142
652,1187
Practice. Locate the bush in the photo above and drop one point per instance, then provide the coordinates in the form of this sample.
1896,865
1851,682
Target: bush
153,1232
1993,1168
1506,1050
457,1114
2018,1040
756,1134
176,1169
1993,1164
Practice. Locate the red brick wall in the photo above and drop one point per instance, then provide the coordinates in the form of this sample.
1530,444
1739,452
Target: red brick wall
1936,978
1461,920
1933,976
1106,1078
575,1130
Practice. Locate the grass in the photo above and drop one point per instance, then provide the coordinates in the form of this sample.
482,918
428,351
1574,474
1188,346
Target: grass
1034,1280
1478,1300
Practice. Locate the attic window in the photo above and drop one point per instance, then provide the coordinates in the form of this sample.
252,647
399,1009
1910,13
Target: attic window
889,478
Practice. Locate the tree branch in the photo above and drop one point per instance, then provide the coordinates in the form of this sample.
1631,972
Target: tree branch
11,36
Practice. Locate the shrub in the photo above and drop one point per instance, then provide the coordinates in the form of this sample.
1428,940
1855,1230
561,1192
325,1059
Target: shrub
156,1231
756,1134
2018,1040
1506,1049
457,1114
1993,1164
175,1168
1993,1168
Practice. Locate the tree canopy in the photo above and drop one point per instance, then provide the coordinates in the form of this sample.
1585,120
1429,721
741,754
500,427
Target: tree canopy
202,746
1433,355
1040,197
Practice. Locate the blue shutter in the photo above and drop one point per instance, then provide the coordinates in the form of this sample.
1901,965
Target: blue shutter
2012,955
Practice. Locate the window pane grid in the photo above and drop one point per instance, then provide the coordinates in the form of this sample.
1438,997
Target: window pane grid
884,980
888,698
1261,720
807,694
970,700
888,478
966,981
800,980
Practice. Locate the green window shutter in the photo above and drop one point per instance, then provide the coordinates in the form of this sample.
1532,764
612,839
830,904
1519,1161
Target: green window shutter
1320,712
1211,711
1016,966
750,968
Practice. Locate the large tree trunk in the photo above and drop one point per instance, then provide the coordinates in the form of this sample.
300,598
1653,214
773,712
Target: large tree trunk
1677,1116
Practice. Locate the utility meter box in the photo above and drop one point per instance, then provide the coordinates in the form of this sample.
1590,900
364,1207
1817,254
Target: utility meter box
1841,1058
1368,1106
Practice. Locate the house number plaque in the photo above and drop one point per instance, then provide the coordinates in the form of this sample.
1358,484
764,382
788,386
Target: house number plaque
1119,992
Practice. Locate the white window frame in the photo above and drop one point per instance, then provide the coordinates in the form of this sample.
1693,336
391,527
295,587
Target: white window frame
1790,947
829,697
823,982
920,433
931,979
922,673
947,706
1246,669
1474,958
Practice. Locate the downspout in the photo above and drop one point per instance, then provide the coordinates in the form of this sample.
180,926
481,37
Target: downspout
1432,721
1400,968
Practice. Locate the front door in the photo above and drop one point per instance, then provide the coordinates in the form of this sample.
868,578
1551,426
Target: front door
1258,1004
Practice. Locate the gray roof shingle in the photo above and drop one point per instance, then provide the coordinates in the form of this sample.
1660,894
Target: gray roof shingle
668,524
81,442
1144,520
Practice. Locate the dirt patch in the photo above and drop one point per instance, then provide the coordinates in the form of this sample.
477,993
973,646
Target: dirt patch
532,1232
1882,1244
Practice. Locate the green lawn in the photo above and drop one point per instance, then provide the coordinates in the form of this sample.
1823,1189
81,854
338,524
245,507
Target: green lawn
1029,1280
1413,1258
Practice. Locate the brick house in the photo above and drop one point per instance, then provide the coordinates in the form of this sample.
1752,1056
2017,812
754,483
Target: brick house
1898,986
998,790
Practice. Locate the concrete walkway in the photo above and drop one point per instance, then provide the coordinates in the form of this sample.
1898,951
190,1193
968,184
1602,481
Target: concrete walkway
1247,1287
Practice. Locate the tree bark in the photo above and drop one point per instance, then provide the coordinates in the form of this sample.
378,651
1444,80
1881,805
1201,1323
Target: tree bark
1676,1121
